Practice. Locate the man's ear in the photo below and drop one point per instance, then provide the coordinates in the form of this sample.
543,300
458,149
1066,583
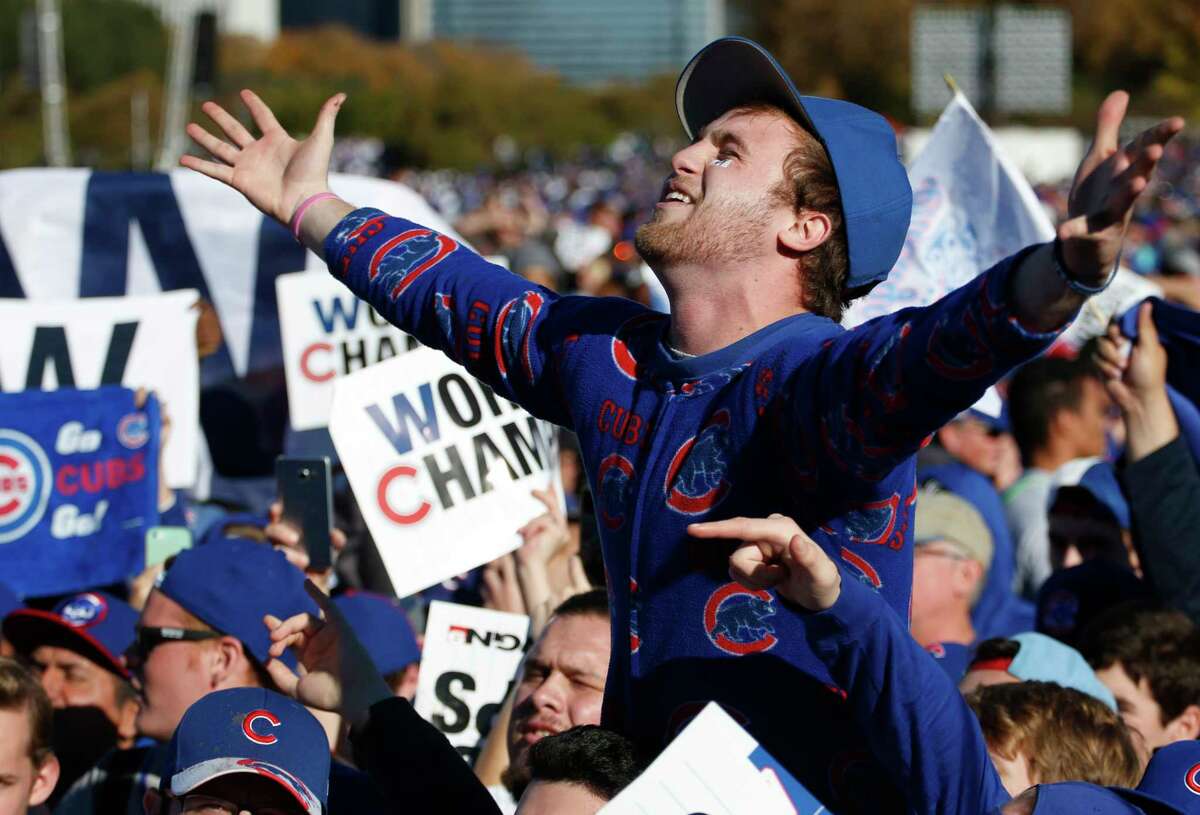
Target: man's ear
44,781
808,230
227,663
969,574
152,802
1185,726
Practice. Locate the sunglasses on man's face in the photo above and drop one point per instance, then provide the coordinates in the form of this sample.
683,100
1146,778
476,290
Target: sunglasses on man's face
150,637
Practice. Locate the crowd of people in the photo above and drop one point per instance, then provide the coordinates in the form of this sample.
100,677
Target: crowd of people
914,604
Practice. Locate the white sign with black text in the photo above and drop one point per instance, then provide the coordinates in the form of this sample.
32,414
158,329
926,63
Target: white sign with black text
441,466
468,664
327,333
139,342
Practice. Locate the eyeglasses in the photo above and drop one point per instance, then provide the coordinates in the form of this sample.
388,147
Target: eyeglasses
149,637
208,805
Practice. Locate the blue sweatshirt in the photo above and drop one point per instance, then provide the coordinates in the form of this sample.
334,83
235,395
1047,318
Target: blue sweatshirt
801,417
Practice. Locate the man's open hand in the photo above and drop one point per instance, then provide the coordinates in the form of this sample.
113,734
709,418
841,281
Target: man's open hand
776,554
275,172
1108,181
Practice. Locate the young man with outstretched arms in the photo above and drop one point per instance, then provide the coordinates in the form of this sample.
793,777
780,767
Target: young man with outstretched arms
749,398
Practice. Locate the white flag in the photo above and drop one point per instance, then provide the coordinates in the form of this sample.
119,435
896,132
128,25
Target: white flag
971,209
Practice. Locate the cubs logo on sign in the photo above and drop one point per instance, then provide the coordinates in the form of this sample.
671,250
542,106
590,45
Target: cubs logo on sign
84,610
513,333
1192,779
24,484
736,620
696,479
405,257
133,431
622,357
615,480
258,721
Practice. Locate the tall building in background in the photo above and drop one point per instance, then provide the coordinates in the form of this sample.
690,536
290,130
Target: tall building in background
587,41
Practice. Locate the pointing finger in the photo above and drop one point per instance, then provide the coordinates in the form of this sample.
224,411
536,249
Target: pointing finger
775,530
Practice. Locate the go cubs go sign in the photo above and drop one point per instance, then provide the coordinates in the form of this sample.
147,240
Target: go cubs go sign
441,466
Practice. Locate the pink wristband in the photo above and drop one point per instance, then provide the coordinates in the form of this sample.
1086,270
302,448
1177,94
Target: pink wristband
303,208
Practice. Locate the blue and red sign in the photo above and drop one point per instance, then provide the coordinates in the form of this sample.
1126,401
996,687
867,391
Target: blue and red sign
78,490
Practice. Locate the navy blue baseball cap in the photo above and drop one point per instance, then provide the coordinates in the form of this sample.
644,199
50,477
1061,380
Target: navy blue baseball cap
250,730
1173,777
92,623
383,628
876,195
1072,598
232,584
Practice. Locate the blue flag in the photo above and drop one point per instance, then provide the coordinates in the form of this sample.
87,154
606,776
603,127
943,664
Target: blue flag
78,487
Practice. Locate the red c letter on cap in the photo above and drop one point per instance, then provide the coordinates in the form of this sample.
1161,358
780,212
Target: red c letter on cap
248,726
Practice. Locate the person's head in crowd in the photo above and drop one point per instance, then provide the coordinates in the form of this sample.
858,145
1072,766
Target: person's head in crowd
1041,732
1058,410
28,768
9,602
1032,657
1071,599
244,750
976,440
951,556
75,651
560,683
383,628
202,629
1089,517
578,771
1150,659
1167,788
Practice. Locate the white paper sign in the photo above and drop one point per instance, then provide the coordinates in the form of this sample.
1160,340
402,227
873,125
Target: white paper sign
147,342
327,333
442,467
468,663
714,766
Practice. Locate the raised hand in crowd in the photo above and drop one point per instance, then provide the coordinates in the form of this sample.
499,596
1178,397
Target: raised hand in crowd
336,672
275,172
1109,179
547,571
1135,375
286,538
776,554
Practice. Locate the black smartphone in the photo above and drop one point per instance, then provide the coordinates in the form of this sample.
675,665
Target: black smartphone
306,491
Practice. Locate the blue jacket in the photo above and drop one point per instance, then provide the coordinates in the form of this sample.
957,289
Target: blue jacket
802,417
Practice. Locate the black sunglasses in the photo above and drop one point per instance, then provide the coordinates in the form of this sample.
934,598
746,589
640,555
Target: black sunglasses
148,638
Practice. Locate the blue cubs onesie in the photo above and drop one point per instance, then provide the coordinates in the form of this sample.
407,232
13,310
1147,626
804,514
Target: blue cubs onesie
801,417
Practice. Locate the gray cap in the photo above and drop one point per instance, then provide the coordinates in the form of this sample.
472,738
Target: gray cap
943,516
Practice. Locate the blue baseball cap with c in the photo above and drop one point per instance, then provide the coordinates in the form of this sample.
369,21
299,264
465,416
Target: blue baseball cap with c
876,195
250,730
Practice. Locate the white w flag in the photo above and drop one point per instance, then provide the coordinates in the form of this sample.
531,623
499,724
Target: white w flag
971,209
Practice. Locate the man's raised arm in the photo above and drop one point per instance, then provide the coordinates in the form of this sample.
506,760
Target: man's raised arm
913,718
494,323
887,385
